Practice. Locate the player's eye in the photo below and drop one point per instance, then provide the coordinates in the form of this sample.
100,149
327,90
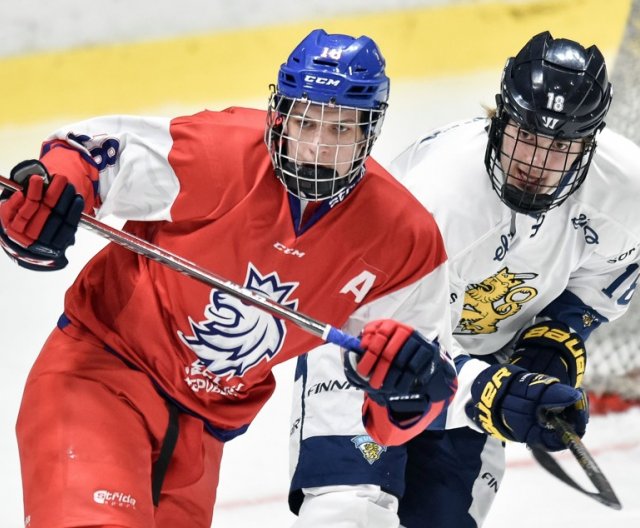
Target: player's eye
343,129
526,136
302,122
561,146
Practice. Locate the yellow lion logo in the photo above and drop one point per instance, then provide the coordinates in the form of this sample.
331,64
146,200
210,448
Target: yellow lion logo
494,299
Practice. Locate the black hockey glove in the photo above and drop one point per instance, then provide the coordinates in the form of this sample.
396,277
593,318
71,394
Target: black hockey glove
400,369
39,223
552,348
511,403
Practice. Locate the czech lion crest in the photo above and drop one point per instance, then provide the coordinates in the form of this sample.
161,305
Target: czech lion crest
234,337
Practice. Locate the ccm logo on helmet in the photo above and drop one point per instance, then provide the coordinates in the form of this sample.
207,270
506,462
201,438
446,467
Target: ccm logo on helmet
321,80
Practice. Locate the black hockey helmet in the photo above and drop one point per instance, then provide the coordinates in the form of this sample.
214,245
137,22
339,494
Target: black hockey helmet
553,88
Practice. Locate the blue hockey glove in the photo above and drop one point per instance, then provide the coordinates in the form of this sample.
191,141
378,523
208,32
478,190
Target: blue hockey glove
552,348
511,403
39,223
400,369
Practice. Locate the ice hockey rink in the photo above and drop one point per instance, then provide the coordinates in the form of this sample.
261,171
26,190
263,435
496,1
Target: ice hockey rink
70,60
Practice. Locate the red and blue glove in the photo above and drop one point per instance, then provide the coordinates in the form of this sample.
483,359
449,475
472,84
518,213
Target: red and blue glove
39,223
400,369
511,403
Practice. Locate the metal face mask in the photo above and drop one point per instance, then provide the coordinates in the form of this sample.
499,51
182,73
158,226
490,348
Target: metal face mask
533,173
319,149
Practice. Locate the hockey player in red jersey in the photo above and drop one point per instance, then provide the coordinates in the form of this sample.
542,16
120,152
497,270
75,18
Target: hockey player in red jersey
532,202
149,372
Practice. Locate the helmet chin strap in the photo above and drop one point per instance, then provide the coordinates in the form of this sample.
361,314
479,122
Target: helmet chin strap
312,182
524,202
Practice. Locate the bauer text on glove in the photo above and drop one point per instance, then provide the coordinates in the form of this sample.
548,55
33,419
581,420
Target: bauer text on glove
552,348
510,403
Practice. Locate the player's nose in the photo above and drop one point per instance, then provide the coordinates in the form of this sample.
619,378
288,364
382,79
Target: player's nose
318,147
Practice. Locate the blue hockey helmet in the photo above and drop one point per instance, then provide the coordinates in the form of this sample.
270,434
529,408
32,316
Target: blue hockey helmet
327,80
336,69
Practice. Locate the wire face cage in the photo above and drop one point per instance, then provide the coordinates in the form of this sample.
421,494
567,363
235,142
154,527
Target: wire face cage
319,149
533,173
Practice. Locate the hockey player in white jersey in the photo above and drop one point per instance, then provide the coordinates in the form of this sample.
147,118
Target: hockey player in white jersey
537,206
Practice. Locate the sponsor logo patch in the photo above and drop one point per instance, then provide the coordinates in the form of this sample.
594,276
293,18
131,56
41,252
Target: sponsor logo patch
117,499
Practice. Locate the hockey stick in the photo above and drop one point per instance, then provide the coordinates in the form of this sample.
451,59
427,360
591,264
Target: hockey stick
323,330
570,439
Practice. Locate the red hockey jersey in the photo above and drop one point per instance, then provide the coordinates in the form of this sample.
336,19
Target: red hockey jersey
203,187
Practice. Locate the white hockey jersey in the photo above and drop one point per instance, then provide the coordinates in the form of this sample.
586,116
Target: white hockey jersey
577,263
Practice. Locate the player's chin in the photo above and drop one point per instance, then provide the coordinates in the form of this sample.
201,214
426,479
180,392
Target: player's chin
530,186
